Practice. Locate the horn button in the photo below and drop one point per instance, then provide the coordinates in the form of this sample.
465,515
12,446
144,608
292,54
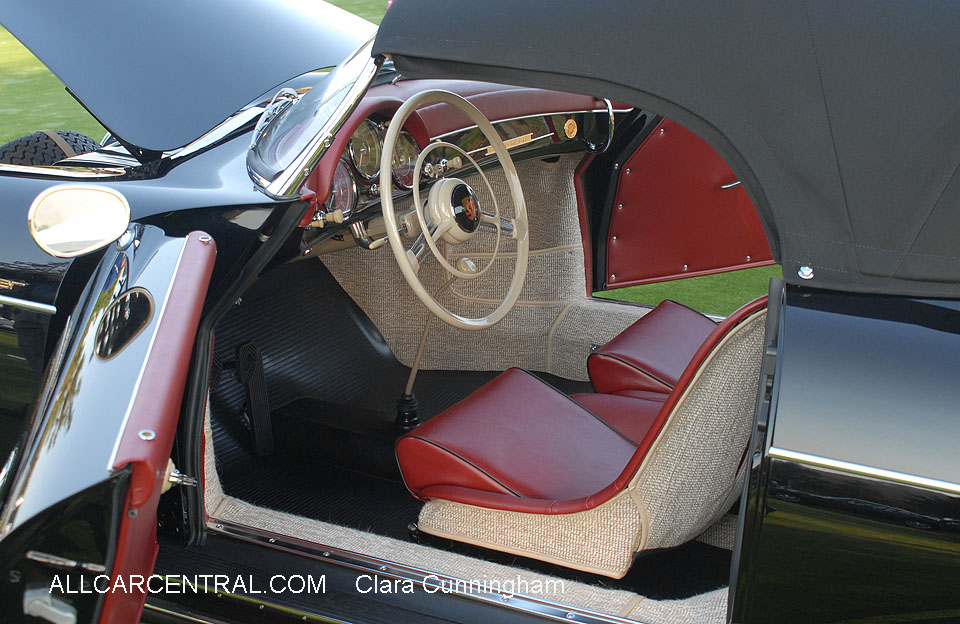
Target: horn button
453,202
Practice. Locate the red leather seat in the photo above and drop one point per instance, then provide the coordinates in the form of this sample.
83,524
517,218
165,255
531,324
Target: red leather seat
587,481
548,447
652,353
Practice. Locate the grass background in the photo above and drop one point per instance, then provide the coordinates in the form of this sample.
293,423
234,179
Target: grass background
32,98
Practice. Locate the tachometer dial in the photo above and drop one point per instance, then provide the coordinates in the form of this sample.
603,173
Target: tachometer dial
405,159
365,147
343,190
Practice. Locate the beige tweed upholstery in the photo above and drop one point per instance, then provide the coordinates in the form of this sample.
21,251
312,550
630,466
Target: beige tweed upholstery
722,533
687,481
707,608
690,476
552,326
601,540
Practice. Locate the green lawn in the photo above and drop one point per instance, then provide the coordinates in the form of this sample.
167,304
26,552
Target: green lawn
713,294
31,98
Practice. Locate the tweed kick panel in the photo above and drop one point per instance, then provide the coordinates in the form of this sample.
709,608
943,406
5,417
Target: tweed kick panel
602,540
680,503
553,325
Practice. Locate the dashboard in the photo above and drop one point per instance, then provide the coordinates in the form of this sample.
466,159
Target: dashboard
532,122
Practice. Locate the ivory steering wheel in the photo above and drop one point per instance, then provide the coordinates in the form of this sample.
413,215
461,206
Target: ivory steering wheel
452,213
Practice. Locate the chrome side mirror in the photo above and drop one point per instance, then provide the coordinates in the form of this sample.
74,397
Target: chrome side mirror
71,220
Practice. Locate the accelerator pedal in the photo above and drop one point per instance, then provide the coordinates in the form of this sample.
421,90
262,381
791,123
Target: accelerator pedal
250,373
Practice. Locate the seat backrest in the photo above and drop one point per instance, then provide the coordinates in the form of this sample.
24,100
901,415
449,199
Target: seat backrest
688,470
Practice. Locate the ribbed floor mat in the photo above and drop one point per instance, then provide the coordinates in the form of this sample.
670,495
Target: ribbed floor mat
333,385
329,494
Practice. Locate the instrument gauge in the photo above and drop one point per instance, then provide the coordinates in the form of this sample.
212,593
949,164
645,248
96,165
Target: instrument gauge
343,190
365,147
405,159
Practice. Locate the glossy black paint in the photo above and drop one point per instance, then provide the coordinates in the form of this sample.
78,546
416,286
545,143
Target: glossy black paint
837,547
22,335
871,380
79,423
205,60
868,380
209,192
348,595
82,529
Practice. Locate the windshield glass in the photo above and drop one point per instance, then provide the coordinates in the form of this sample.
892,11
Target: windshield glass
296,137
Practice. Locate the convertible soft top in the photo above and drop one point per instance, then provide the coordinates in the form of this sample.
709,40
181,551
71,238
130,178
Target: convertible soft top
161,74
841,118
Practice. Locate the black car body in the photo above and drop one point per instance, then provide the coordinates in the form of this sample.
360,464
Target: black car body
207,347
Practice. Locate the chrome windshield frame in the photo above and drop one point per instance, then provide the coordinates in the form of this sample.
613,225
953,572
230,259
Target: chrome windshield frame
286,183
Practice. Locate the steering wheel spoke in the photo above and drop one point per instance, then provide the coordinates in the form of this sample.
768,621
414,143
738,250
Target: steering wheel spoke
420,249
453,214
503,226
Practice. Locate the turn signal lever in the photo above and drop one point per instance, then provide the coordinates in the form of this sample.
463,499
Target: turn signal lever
363,239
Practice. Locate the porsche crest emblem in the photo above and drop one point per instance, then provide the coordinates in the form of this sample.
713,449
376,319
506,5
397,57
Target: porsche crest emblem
470,207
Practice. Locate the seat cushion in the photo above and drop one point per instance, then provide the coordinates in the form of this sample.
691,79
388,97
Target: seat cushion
630,415
652,353
516,436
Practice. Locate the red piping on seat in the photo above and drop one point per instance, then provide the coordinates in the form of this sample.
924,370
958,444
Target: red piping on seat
491,500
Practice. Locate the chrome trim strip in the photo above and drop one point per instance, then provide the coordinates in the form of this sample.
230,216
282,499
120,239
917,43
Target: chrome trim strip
870,471
32,306
182,616
288,182
423,578
232,124
158,318
64,172
596,111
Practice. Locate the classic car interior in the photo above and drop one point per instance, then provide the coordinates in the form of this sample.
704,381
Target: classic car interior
460,401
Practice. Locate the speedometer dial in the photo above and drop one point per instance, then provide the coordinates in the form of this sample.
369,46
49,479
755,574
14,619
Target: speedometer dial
365,147
405,159
343,191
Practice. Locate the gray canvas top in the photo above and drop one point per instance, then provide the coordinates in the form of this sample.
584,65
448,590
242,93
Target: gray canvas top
161,74
841,118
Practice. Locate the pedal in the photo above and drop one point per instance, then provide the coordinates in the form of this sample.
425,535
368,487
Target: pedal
249,372
216,371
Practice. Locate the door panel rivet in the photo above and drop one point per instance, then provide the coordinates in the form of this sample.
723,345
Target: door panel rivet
147,434
805,272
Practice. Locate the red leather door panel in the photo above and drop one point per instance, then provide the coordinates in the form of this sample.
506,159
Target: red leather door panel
671,218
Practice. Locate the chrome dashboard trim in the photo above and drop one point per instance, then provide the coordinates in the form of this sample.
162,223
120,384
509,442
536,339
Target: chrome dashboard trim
423,578
869,471
24,304
596,111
